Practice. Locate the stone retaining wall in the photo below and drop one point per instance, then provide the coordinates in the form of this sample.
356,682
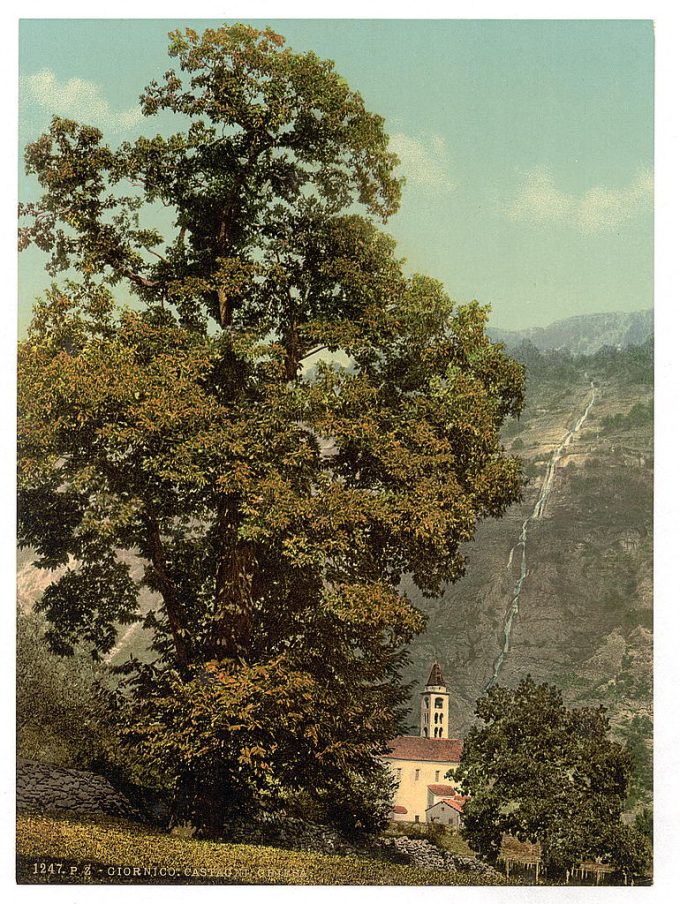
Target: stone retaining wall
423,853
47,788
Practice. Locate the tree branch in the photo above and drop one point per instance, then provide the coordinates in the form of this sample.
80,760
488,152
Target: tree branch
313,351
141,280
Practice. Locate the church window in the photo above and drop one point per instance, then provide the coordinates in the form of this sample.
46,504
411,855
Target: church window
399,774
424,732
436,775
417,774
439,702
417,818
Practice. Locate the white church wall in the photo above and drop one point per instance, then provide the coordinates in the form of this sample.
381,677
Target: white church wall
414,776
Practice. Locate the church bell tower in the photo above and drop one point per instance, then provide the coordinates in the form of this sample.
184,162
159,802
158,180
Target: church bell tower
434,706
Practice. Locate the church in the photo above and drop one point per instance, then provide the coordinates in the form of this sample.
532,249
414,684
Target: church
420,762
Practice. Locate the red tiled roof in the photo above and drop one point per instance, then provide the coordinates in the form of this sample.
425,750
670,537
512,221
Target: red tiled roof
442,790
400,809
438,750
455,802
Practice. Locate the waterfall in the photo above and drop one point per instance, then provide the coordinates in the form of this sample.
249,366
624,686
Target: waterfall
521,545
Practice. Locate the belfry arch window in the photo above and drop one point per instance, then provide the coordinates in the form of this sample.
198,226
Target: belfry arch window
438,702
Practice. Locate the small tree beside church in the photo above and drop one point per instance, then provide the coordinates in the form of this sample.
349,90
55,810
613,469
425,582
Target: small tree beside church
274,508
542,772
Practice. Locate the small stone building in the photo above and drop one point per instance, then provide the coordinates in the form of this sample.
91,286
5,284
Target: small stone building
446,812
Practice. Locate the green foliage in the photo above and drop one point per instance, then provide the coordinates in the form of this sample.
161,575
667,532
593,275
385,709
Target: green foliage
634,363
275,511
638,733
60,716
640,415
644,823
252,737
541,772
554,367
108,842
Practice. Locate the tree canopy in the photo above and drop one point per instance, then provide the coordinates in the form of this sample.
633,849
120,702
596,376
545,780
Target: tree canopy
540,771
274,500
59,707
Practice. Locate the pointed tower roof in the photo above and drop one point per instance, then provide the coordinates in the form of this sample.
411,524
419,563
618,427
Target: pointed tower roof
436,678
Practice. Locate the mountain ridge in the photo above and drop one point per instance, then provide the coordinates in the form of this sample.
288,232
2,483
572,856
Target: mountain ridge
583,334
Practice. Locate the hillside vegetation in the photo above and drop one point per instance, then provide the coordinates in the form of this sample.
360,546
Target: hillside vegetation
584,618
115,851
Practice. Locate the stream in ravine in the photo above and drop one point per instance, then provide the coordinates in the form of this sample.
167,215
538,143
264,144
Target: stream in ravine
521,545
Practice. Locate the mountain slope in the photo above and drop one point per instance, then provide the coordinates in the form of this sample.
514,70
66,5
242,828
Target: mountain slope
579,614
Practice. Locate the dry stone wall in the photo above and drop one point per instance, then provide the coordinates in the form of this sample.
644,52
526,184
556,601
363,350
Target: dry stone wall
423,853
47,788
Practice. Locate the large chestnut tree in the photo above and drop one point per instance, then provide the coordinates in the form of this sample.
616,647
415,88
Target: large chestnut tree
274,496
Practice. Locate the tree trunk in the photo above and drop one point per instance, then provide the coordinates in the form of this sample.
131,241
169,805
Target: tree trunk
201,806
233,587
174,607
293,352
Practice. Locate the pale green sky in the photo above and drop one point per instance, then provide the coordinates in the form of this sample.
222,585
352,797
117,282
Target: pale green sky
527,145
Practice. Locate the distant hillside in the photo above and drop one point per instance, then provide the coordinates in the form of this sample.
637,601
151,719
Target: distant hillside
583,335
561,587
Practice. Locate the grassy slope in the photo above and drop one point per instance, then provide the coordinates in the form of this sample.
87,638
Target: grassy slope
89,851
